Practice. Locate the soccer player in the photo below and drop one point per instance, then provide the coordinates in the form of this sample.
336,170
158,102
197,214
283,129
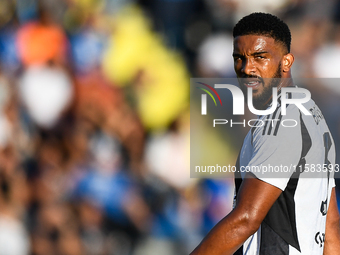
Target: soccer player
289,214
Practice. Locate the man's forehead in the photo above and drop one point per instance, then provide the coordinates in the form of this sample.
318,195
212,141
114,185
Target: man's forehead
255,43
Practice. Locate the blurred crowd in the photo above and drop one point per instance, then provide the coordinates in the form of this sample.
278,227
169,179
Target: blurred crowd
94,117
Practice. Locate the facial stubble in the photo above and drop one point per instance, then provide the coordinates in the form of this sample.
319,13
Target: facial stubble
261,101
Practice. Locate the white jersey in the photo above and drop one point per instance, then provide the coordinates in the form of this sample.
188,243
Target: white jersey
271,151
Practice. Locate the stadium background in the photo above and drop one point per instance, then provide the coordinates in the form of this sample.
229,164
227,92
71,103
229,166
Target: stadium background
94,117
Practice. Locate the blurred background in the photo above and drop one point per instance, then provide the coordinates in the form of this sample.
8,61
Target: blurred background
95,123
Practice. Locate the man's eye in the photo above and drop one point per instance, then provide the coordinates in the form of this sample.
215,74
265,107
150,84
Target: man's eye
259,57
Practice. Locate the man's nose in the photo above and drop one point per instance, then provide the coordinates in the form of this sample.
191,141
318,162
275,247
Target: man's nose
248,67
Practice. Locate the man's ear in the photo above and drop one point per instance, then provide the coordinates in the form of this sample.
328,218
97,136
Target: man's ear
287,62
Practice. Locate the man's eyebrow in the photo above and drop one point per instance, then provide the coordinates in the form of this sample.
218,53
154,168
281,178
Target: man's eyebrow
259,53
253,54
236,55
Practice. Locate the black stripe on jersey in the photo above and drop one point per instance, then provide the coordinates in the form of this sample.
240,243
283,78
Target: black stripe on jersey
271,123
279,101
279,98
280,116
239,251
265,125
237,175
276,245
281,216
278,124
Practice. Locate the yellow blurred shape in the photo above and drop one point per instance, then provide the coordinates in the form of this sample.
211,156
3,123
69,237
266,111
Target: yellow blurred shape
137,56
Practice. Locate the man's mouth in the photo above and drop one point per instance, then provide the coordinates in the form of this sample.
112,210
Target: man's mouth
253,83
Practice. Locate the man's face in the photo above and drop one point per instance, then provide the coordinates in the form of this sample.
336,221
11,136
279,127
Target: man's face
255,58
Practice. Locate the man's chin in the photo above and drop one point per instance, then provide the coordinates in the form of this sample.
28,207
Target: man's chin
259,102
257,95
259,105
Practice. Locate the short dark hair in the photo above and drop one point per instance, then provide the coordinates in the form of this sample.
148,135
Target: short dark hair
265,24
